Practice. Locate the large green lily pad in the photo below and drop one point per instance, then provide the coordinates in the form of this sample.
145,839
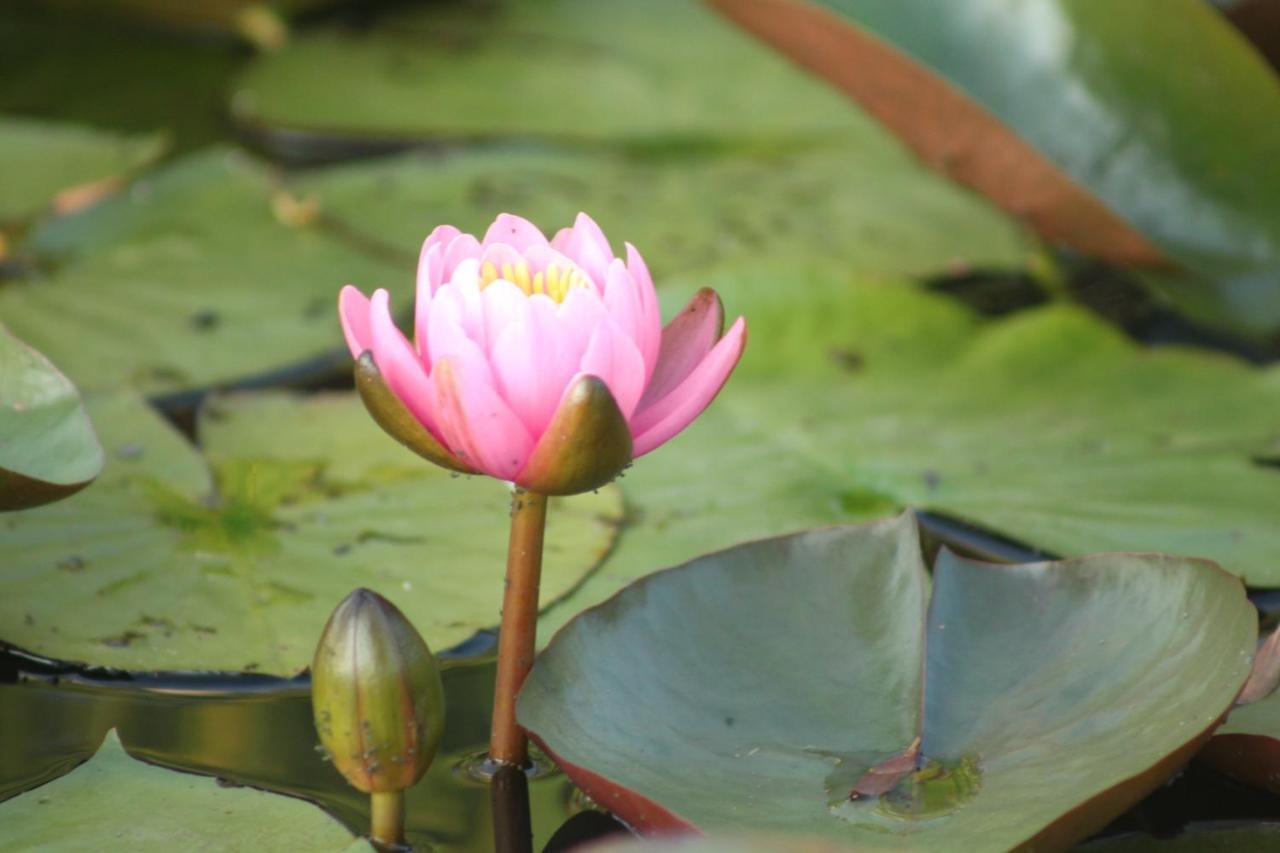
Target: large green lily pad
48,448
42,159
694,212
1045,698
1049,108
569,70
116,801
1047,427
189,280
232,560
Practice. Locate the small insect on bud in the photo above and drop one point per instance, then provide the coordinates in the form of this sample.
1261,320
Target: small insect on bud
376,695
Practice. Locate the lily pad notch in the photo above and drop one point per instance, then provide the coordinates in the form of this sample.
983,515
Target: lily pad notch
756,688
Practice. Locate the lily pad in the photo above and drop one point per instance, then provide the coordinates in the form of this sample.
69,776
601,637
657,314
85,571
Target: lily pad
46,161
1047,427
653,71
694,212
1034,702
144,808
48,448
232,559
189,280
1132,155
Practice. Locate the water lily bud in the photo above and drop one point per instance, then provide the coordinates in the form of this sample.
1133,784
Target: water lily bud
376,695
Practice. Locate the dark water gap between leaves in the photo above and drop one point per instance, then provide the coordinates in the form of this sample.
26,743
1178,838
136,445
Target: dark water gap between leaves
1113,294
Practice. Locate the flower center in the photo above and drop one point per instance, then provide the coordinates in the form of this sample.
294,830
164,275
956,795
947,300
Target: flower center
554,281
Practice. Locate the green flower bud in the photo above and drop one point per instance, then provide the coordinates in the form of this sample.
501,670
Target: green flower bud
376,695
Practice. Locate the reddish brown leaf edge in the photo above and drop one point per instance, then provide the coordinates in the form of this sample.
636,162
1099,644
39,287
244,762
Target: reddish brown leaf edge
946,129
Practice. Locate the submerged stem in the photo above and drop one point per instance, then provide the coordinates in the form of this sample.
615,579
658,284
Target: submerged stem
517,636
386,818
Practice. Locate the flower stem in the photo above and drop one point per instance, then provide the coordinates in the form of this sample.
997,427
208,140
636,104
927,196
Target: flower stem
386,818
518,635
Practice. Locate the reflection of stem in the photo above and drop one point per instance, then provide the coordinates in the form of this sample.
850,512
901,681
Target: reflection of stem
386,819
518,634
509,795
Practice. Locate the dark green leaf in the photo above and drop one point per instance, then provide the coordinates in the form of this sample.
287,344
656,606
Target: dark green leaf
1048,697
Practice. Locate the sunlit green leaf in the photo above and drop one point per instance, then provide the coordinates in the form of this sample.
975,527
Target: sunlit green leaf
234,559
574,70
696,212
1047,427
42,159
115,801
190,279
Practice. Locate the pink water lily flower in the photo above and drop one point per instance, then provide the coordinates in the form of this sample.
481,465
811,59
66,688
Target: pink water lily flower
540,362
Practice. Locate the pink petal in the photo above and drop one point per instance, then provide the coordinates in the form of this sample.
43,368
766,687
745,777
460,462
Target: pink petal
533,363
514,231
447,335
586,245
475,422
613,357
661,422
398,363
622,301
581,312
503,304
461,248
463,293
441,235
649,327
430,268
685,342
353,311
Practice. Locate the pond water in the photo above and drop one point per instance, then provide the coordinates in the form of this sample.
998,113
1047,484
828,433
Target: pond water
259,732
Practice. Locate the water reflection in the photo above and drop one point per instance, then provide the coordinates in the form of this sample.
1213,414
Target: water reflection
262,736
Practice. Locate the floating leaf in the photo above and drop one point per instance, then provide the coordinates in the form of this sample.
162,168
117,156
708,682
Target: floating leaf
569,70
144,808
51,163
232,561
189,280
1047,427
1048,697
48,448
1046,107
695,212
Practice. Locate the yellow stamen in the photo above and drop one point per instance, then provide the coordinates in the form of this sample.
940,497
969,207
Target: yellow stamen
553,281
